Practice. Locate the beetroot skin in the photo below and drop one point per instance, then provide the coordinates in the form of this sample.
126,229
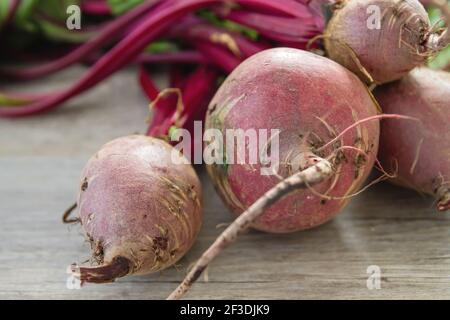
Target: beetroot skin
141,212
310,99
420,152
402,42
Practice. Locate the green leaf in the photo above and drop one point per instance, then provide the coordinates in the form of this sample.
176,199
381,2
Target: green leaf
61,33
435,15
13,102
227,24
57,9
23,18
161,46
119,7
442,59
27,19
4,9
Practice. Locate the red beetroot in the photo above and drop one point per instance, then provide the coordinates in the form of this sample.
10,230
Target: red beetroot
328,141
420,153
310,99
380,53
141,212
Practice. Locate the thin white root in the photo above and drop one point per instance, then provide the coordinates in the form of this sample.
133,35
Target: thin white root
317,173
358,123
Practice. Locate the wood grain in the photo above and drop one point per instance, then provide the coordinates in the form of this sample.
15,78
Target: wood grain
40,162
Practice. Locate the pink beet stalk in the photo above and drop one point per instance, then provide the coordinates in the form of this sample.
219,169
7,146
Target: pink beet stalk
95,7
285,7
152,24
219,56
118,57
147,84
197,91
198,30
276,28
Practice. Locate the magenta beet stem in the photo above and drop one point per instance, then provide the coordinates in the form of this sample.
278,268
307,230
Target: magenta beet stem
197,92
127,49
181,57
191,57
177,77
276,28
198,30
147,84
98,7
289,8
218,56
118,57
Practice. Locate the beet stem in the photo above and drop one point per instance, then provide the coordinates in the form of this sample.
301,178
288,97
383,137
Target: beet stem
317,173
147,84
118,57
117,268
95,8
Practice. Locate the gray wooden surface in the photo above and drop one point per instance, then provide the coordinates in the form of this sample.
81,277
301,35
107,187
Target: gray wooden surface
40,162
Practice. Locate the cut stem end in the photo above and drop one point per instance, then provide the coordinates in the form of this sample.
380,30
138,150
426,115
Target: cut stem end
117,268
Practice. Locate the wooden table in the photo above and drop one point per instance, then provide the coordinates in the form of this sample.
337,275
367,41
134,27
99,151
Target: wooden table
40,162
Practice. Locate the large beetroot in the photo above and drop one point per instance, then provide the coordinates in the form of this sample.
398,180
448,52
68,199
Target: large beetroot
310,99
419,153
140,211
328,139
382,40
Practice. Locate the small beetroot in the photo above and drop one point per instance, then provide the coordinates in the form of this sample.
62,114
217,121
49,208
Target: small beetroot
140,211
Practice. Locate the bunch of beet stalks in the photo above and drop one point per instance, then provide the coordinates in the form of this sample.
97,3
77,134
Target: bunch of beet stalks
141,210
212,43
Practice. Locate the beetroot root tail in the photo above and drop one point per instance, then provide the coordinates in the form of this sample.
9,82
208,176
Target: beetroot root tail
317,173
117,268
